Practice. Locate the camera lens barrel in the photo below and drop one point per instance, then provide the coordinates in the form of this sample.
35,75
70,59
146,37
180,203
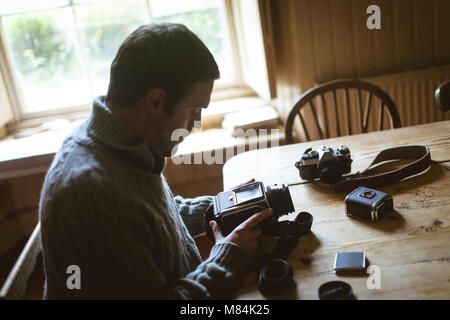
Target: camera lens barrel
275,277
280,200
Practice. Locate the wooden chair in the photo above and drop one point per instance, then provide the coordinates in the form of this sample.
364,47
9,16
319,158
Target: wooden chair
442,96
15,285
344,122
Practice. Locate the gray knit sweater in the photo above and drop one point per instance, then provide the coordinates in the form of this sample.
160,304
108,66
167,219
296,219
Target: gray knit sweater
106,208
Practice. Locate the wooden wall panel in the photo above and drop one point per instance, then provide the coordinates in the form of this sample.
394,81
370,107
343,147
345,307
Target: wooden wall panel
423,28
322,33
321,40
301,29
364,50
342,39
403,34
441,29
383,47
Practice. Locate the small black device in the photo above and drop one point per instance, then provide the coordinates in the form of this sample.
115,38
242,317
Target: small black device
326,164
231,208
369,204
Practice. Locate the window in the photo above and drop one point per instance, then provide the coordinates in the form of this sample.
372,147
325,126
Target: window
57,53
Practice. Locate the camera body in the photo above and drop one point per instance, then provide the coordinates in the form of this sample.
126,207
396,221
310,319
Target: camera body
368,204
231,208
326,164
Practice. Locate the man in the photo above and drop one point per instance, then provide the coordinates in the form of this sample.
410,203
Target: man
110,225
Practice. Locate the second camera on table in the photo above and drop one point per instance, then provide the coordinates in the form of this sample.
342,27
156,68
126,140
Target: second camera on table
325,163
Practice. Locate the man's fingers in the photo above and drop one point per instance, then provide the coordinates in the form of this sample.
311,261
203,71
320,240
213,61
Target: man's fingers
216,230
214,226
255,233
256,218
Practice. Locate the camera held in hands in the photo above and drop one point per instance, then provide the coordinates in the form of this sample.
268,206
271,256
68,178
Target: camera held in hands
326,164
231,208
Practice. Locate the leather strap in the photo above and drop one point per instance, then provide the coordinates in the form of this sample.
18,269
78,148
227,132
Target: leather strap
423,162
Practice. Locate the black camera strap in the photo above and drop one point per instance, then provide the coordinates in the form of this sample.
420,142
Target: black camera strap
422,163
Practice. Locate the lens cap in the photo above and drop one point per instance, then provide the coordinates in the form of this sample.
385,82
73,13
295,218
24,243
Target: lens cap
336,290
275,277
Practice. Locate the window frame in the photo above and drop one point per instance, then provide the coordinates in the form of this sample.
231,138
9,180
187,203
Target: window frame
222,91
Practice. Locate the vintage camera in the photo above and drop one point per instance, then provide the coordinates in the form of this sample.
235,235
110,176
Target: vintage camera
326,164
368,204
231,208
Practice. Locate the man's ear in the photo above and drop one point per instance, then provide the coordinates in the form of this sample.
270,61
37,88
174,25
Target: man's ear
154,100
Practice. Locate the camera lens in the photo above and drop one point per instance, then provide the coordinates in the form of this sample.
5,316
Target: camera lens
344,150
275,277
280,200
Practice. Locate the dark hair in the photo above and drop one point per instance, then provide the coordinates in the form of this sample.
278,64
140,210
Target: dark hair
167,56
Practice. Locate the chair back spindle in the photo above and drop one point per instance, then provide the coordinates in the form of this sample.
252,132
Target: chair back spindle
351,114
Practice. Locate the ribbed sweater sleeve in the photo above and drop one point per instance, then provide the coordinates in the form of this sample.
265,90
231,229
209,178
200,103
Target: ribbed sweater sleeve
219,276
192,211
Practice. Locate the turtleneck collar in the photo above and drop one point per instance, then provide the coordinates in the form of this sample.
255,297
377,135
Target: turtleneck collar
104,126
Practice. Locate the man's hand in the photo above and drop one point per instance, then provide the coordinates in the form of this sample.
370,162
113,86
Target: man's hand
245,235
204,243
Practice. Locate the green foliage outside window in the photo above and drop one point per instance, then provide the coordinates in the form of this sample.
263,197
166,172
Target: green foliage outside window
205,24
38,46
41,50
103,34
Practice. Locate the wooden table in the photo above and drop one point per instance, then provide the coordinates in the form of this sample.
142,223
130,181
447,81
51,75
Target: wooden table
411,246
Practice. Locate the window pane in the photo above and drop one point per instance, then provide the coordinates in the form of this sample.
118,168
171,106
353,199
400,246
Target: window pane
11,6
85,1
46,60
57,65
103,27
207,19
88,1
